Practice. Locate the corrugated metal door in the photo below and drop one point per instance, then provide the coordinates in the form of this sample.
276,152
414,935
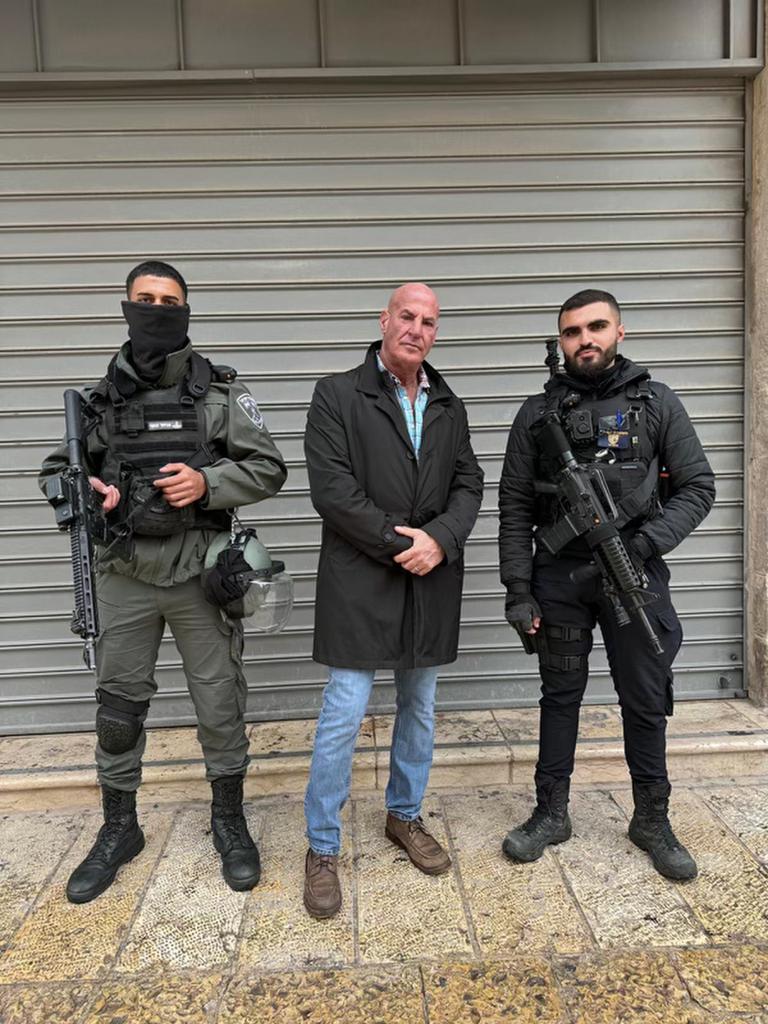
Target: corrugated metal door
293,215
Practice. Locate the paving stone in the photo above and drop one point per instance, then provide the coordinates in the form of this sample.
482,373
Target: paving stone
42,1004
277,931
491,992
733,979
627,988
707,716
468,746
173,745
730,895
21,876
288,750
404,914
189,917
56,751
623,898
521,725
60,940
295,736
167,998
757,716
745,811
515,907
380,995
452,727
39,792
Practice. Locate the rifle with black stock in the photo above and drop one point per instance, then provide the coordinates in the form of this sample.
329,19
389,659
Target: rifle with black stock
78,512
588,510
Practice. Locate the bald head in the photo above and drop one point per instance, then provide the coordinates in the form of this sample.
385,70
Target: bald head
413,291
408,329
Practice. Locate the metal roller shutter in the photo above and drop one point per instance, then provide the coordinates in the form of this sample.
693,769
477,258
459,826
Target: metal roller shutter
293,214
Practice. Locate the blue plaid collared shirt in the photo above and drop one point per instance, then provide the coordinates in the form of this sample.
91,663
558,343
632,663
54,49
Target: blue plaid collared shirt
414,414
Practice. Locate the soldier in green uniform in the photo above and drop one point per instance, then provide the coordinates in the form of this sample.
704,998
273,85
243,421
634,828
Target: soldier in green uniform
173,444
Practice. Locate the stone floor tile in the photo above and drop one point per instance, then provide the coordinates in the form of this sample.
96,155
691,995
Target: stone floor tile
458,767
627,988
372,995
521,725
43,1004
272,739
277,931
35,793
745,811
730,895
22,876
189,918
60,940
282,751
733,979
462,730
706,716
757,716
177,744
167,998
518,725
491,992
624,900
62,752
523,908
403,913
470,750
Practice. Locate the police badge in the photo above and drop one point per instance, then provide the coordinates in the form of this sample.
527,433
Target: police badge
248,404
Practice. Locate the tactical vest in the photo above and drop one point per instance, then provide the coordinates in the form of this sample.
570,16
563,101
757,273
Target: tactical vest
613,432
148,428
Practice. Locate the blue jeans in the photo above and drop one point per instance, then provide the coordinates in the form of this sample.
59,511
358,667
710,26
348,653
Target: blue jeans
345,700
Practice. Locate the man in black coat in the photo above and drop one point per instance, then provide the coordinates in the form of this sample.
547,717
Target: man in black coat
394,478
638,433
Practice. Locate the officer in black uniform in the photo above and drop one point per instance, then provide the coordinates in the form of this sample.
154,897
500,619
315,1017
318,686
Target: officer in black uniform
639,434
174,444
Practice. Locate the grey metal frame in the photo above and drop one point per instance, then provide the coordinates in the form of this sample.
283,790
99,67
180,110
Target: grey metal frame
728,64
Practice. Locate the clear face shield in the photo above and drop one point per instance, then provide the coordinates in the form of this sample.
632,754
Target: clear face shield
241,579
268,600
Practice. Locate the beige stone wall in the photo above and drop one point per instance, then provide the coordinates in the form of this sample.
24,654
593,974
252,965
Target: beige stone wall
757,392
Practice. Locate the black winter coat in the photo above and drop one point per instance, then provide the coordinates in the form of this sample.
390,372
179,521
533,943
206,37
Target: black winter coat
672,438
365,480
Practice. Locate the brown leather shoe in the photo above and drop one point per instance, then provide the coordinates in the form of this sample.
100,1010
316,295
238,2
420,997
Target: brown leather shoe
420,845
322,892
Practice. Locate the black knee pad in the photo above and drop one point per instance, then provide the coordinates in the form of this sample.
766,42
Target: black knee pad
119,722
566,648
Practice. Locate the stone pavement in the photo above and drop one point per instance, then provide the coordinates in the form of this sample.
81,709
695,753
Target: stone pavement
588,934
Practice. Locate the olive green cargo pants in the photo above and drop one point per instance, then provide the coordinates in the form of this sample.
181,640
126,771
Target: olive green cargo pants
133,616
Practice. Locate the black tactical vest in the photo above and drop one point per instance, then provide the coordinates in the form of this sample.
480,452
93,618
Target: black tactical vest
613,432
147,428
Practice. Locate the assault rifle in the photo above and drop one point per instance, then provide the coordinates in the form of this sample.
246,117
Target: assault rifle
78,511
588,511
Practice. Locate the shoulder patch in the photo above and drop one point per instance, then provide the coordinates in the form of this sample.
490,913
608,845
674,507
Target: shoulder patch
248,404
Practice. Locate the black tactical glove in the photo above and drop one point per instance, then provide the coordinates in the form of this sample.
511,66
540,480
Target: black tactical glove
521,608
225,582
640,549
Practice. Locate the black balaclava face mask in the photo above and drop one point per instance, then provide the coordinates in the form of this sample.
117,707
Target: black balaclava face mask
154,331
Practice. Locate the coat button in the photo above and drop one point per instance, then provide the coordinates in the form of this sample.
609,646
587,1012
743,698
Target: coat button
389,536
410,455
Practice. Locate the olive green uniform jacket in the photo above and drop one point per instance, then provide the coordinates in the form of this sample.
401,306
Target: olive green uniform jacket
252,470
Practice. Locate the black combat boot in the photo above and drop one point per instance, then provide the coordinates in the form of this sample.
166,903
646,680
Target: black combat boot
548,824
651,831
240,861
119,840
